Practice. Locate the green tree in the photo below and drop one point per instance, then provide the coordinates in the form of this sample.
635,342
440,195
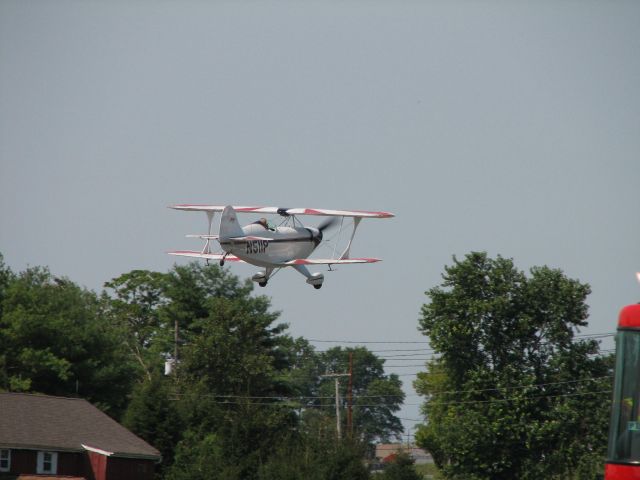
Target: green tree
153,415
513,393
138,298
229,351
6,277
201,457
148,307
53,340
376,395
401,468
231,379
315,458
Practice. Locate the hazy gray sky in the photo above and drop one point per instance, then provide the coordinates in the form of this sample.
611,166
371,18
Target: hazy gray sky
510,127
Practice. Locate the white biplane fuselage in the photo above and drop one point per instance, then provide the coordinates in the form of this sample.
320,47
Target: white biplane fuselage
266,247
288,245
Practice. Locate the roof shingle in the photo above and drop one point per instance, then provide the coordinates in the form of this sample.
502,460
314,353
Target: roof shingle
60,423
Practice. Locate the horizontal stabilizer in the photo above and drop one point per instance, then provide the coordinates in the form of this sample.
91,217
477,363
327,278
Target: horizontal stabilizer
249,238
207,256
330,261
204,237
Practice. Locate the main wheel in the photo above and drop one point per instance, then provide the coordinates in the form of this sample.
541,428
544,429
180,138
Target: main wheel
262,284
317,287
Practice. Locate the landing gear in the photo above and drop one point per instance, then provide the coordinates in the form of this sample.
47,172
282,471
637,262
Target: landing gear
261,278
222,259
314,279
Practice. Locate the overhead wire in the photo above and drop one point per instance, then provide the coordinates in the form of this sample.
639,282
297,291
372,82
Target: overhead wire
288,403
401,358
331,397
402,342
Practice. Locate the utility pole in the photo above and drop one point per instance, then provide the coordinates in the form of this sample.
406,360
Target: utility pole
175,341
175,347
337,376
350,398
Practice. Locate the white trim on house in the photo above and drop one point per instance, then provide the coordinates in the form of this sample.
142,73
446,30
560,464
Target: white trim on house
5,458
47,462
96,450
122,455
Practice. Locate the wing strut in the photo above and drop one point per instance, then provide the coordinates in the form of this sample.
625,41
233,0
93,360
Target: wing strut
345,254
207,245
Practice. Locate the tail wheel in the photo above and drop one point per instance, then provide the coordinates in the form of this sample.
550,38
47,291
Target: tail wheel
262,284
317,287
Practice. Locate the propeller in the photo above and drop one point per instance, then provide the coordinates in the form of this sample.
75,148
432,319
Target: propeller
323,226
327,223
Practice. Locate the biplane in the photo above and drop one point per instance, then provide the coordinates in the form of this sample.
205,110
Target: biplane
287,245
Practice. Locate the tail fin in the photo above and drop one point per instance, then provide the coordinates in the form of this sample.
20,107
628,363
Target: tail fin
229,226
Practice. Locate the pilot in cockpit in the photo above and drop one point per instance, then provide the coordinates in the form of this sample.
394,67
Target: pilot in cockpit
264,223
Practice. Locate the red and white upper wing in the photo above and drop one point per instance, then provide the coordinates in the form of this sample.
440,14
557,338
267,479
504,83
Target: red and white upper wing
337,213
286,211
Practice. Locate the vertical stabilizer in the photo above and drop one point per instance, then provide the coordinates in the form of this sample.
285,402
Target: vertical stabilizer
229,226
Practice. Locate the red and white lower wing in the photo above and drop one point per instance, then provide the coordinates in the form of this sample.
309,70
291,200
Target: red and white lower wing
330,261
207,256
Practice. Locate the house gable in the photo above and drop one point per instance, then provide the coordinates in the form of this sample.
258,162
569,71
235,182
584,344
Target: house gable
69,437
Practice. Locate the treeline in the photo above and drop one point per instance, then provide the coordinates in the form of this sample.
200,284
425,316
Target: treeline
511,390
245,399
514,391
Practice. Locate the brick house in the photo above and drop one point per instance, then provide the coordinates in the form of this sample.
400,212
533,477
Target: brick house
388,451
58,437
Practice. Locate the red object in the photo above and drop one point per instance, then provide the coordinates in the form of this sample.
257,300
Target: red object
613,471
629,316
98,465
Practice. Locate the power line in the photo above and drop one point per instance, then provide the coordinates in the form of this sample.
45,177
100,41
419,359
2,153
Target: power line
331,397
500,400
364,341
538,385
404,355
579,335
453,402
421,351
430,350
406,366
412,357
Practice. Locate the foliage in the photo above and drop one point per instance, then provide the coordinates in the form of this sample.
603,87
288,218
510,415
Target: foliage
243,400
316,458
135,309
229,351
377,395
233,366
53,340
513,393
201,458
401,468
152,414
